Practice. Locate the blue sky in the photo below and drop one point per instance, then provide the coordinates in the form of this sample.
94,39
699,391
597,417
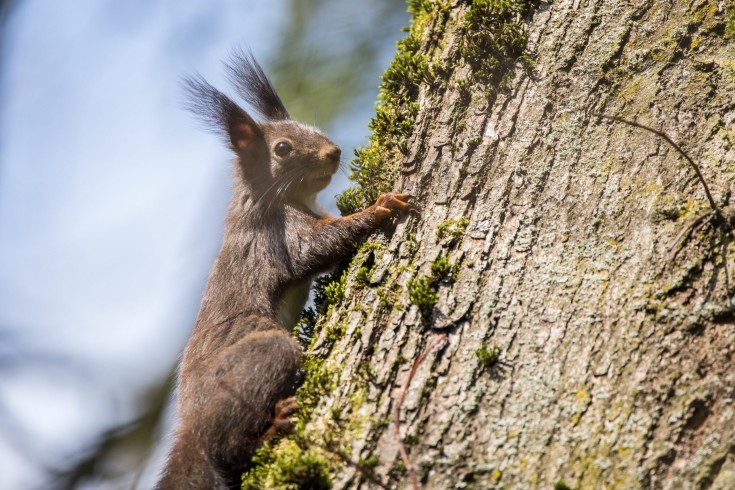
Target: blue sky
111,205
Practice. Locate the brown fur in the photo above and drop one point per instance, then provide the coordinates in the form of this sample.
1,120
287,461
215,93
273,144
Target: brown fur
240,361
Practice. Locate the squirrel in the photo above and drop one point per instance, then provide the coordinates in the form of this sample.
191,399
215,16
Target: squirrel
237,376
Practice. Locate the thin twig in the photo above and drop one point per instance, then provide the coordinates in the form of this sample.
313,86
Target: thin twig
725,240
438,339
697,222
694,166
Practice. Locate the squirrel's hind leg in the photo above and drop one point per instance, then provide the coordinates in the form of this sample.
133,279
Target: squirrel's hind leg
252,380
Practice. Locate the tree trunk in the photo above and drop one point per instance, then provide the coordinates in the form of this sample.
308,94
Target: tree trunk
565,344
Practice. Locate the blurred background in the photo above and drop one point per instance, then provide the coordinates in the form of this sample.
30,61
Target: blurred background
112,201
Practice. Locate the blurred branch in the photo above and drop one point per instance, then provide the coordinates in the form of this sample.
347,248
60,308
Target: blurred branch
102,457
5,8
135,438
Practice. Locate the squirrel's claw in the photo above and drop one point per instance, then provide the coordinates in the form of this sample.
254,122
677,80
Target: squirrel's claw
286,408
389,203
282,423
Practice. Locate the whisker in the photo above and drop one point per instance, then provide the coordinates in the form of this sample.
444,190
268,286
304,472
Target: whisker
279,186
277,181
286,180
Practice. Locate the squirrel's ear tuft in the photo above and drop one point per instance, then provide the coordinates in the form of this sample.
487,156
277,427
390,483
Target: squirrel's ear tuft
253,85
221,114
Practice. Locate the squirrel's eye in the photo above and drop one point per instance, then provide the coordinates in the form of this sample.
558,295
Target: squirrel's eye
282,149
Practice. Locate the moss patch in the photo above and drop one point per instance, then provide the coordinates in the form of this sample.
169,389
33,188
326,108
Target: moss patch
441,267
365,261
334,291
495,37
730,20
453,229
288,467
421,292
300,460
304,329
488,356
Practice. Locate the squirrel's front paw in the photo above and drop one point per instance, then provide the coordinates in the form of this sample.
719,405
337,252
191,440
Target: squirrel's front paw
391,204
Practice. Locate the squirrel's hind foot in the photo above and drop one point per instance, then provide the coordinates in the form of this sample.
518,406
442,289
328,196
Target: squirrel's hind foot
282,422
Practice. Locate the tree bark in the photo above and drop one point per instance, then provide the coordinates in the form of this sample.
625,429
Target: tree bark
568,345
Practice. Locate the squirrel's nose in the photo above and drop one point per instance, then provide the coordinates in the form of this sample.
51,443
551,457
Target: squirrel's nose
333,153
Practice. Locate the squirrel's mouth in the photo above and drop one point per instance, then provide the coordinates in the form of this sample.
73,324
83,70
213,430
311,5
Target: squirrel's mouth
321,174
321,178
325,174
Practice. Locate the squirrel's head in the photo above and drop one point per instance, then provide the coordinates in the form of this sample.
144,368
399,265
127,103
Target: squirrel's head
277,156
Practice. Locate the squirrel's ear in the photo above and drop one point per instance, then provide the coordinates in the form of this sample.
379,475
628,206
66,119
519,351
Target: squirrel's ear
243,131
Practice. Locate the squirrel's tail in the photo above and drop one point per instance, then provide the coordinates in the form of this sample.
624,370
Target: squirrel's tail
189,467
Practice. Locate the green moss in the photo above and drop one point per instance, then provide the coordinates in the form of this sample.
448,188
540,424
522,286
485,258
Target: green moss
319,380
495,37
421,292
387,298
329,290
730,20
288,466
441,267
375,166
560,485
334,291
336,413
296,462
365,371
371,247
366,257
399,467
349,202
333,333
300,460
362,276
428,387
454,229
495,476
442,270
384,423
370,462
411,440
488,357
